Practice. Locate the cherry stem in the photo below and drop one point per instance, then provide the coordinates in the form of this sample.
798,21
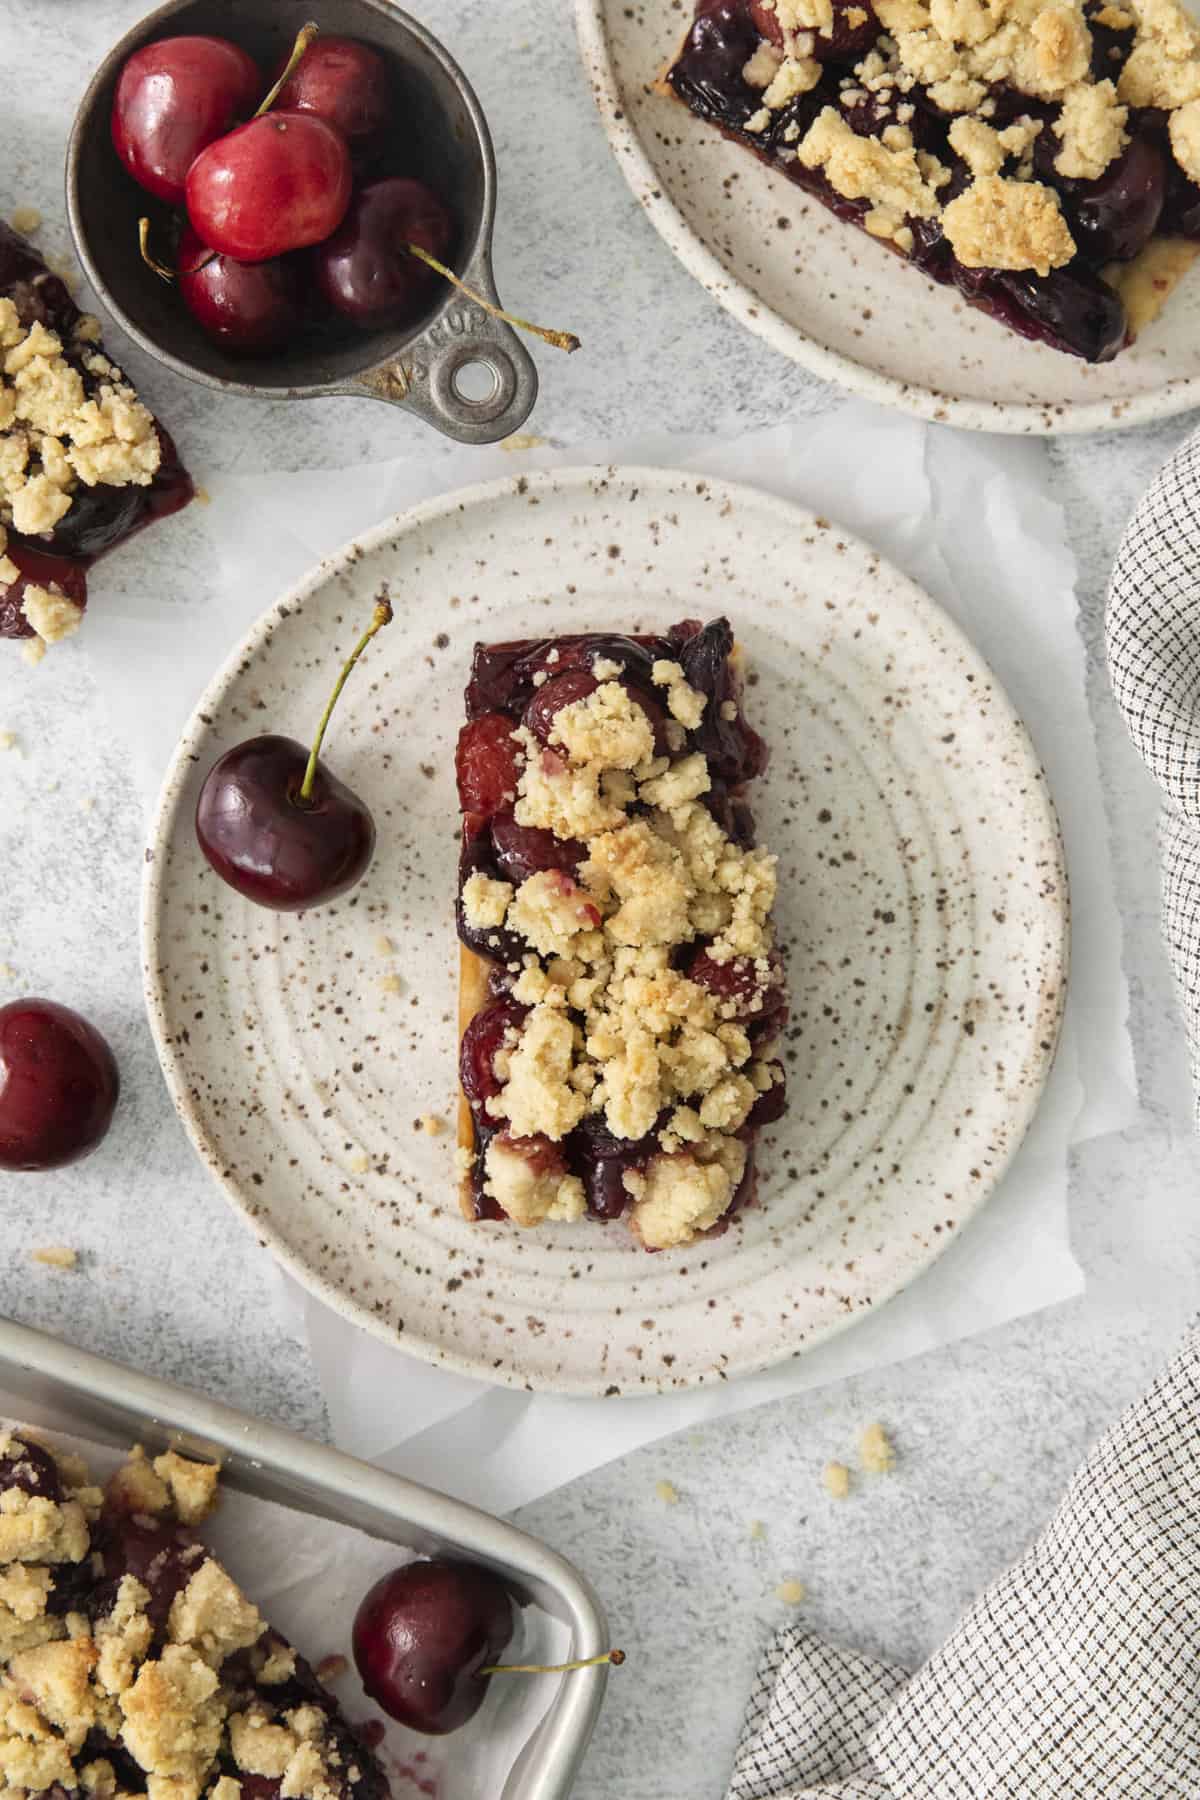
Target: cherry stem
561,340
382,616
615,1657
148,256
304,38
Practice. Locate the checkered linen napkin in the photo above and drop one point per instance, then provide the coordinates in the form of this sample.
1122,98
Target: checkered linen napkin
1153,630
1076,1676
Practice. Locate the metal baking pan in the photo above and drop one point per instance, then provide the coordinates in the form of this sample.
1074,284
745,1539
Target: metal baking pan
64,1389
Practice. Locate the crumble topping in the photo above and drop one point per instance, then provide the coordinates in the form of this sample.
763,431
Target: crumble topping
616,1026
1091,130
1184,132
192,1486
866,169
1000,224
174,1715
51,614
212,1616
60,430
34,1529
875,1452
1163,68
985,150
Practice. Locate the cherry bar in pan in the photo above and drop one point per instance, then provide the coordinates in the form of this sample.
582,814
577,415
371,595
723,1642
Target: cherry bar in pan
620,988
83,464
1041,156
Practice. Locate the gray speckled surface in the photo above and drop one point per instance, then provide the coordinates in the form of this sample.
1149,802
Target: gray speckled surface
987,1431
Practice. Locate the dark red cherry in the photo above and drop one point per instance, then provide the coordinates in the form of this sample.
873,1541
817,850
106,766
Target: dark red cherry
423,1634
488,763
524,850
277,825
268,843
767,21
1071,308
485,1035
577,684
343,82
58,1085
740,983
159,1553
249,309
276,184
36,569
173,99
772,1104
365,271
1114,217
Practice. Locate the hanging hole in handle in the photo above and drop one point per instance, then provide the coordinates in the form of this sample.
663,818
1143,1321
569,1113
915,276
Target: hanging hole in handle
476,382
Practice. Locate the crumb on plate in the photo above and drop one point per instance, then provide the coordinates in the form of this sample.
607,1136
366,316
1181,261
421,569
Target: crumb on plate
430,1124
875,1452
836,1479
56,1256
360,1164
384,945
391,984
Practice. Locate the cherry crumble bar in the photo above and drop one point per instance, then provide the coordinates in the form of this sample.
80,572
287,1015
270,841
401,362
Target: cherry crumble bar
131,1662
1041,156
620,990
83,464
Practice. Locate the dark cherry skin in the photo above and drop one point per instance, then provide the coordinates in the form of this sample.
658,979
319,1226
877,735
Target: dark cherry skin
173,99
40,570
422,1635
276,184
343,82
247,308
58,1085
34,1471
525,850
268,845
364,271
487,762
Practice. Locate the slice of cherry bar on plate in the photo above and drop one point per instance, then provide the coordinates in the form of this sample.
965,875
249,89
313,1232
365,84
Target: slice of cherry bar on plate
620,991
1041,156
83,464
131,1662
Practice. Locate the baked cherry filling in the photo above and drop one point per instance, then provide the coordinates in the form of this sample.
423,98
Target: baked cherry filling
83,466
622,989
1028,155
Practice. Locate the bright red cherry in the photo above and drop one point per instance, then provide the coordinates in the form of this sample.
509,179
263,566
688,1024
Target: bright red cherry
343,82
58,1085
247,308
366,271
277,825
174,98
423,1634
275,184
487,761
36,569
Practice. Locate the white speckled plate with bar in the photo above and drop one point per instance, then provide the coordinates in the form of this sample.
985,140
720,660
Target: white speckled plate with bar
922,902
831,298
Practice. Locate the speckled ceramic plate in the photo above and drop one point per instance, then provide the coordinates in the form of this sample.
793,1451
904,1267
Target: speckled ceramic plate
827,295
922,901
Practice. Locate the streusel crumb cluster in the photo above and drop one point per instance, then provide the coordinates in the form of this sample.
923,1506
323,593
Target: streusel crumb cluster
956,53
616,1027
169,1673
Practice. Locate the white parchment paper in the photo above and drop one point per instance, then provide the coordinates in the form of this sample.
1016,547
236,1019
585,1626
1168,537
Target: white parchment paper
968,518
306,1576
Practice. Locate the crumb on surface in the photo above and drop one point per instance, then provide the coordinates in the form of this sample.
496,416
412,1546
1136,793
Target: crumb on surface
56,1256
835,1477
202,495
521,440
332,1668
8,740
431,1124
667,1492
384,945
391,984
875,1451
32,651
792,1593
25,219
757,1530
7,972
360,1164
88,803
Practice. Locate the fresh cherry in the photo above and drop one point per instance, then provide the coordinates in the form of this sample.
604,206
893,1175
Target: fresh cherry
35,568
366,270
275,184
276,825
58,1085
426,1639
247,308
487,761
343,82
173,99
